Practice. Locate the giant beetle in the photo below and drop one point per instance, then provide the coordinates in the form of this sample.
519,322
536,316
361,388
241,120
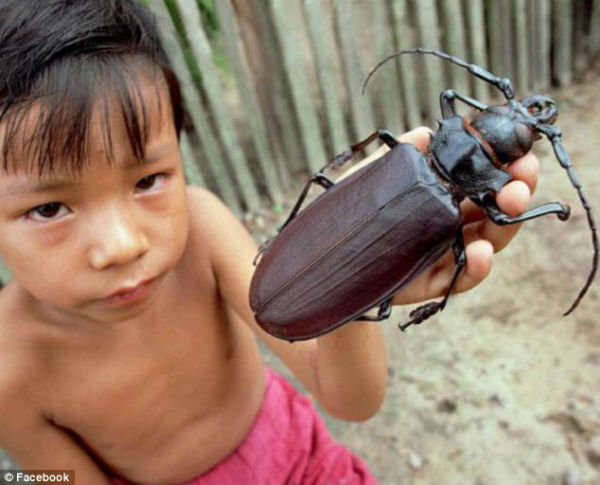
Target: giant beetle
372,233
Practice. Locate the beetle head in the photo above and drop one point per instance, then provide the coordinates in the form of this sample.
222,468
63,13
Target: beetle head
541,108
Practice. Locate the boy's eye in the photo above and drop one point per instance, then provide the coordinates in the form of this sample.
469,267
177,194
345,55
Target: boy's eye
151,182
47,212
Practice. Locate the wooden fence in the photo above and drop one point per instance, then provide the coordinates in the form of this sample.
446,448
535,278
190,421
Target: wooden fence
289,97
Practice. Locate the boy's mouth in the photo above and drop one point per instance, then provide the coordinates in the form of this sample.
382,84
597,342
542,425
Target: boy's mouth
131,293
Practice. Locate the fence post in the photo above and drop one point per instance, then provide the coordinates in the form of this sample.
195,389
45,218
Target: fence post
288,28
214,93
283,130
252,111
563,47
360,106
194,106
318,18
595,29
580,36
454,33
406,64
427,21
539,50
501,47
386,87
192,173
476,30
522,51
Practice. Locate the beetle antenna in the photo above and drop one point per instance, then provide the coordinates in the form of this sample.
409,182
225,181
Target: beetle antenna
554,135
503,84
592,225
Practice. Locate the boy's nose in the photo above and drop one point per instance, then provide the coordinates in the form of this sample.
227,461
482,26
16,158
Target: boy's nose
118,241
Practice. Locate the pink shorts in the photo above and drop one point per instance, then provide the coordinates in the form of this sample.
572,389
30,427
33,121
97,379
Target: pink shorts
288,443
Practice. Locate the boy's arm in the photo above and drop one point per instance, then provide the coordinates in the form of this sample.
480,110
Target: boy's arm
344,370
36,444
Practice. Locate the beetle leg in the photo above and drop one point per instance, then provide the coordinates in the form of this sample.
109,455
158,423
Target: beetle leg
384,312
448,99
318,178
382,135
261,249
488,204
422,313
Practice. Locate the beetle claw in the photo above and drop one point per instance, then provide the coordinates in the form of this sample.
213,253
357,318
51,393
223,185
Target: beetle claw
342,158
563,216
422,313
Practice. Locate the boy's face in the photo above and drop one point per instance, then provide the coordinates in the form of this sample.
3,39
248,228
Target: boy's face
72,241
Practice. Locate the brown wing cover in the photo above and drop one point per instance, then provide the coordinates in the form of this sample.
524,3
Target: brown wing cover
354,246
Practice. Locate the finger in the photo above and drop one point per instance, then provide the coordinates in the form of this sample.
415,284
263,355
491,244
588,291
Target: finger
479,265
418,137
526,169
513,199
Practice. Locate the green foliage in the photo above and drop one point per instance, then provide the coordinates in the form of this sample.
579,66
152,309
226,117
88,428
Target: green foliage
210,24
210,20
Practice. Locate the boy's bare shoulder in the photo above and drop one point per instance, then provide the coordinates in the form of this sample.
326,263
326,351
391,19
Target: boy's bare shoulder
206,214
18,362
202,203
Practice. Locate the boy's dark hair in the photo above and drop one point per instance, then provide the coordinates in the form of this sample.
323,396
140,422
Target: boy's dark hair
62,56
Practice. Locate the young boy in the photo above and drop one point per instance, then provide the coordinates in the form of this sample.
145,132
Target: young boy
127,345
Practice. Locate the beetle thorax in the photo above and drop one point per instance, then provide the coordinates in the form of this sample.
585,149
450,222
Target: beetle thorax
507,134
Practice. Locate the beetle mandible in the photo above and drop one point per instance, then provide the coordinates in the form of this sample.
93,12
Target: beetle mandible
372,233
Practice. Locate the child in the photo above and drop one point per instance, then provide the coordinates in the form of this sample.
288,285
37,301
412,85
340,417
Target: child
127,345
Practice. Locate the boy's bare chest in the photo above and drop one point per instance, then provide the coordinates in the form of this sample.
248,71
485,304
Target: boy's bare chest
146,403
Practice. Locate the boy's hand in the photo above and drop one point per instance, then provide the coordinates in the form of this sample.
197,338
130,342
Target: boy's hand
482,237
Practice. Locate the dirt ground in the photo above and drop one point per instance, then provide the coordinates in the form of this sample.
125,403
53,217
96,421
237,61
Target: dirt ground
500,388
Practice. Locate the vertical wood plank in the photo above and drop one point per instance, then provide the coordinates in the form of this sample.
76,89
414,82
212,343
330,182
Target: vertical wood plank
595,29
427,21
501,36
190,165
318,17
580,36
288,29
545,41
522,51
508,50
285,135
360,105
192,101
249,99
563,46
539,20
404,36
492,15
214,93
476,30
386,87
455,43
533,45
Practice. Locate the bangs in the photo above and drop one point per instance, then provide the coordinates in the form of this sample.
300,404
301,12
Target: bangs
51,128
